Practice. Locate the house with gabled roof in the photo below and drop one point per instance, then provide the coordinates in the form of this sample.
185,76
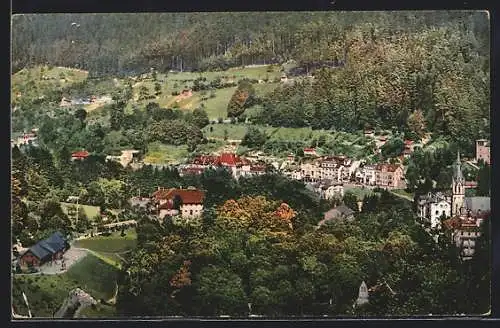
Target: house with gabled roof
79,155
188,203
49,249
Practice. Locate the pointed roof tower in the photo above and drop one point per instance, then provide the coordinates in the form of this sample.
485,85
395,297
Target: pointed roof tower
363,296
458,175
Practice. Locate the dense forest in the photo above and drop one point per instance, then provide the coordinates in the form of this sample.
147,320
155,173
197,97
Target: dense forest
130,42
406,71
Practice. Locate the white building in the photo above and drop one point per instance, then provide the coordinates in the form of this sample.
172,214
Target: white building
369,175
186,202
433,207
334,191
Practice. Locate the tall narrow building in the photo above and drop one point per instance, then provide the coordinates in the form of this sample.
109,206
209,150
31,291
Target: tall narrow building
363,296
458,188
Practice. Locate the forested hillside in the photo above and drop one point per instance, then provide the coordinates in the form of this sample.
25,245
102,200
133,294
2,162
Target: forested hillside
417,71
121,42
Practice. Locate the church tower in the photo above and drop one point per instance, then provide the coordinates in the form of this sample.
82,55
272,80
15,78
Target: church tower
458,188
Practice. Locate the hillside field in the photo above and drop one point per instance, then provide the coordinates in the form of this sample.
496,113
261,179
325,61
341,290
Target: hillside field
46,293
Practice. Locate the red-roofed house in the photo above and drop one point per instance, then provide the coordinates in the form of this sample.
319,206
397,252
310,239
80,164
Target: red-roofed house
310,152
464,231
79,155
187,202
470,184
389,176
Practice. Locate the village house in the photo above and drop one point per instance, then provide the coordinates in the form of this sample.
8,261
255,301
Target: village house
188,203
464,230
334,167
369,175
340,212
408,148
125,158
334,190
79,155
483,151
49,249
432,207
310,152
310,172
389,176
369,133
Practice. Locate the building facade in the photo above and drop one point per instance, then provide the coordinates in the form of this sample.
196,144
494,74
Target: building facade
389,176
483,151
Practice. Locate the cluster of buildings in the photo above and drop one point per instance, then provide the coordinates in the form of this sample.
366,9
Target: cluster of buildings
340,169
238,166
27,138
65,102
460,216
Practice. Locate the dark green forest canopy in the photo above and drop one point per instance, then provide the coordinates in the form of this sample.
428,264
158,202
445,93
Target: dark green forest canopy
112,43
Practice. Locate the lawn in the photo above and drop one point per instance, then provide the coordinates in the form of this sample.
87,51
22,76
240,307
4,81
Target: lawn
234,131
110,244
29,81
403,192
46,293
159,153
89,210
216,107
100,311
359,192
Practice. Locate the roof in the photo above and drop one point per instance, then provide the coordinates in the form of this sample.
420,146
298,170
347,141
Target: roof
226,159
192,170
434,197
478,203
309,149
83,153
338,212
229,159
188,196
51,245
387,167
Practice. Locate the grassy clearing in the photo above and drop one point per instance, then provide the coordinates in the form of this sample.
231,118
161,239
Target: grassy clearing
359,192
89,210
217,107
37,81
234,131
403,193
159,153
110,244
46,293
265,88
99,311
211,146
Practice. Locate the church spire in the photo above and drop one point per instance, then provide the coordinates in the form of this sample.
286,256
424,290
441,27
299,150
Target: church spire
458,168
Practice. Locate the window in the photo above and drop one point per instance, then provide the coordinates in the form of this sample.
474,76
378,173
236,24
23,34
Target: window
437,212
190,212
